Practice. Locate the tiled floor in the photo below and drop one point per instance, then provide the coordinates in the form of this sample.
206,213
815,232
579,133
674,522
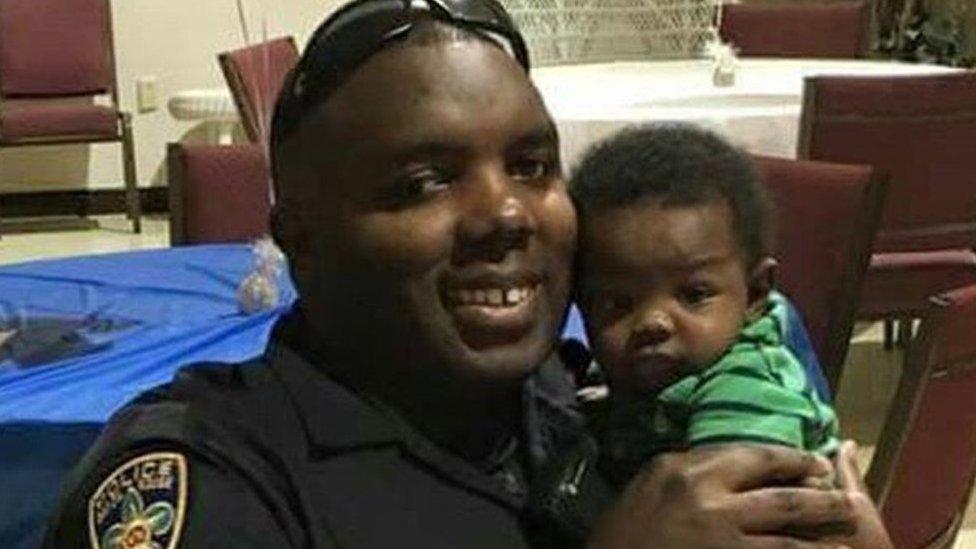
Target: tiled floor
114,235
869,381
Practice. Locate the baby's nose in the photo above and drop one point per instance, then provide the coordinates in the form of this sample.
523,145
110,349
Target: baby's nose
654,327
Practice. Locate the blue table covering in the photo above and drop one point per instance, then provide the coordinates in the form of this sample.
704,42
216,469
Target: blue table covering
91,333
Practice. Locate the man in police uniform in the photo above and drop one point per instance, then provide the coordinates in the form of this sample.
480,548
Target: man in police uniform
402,402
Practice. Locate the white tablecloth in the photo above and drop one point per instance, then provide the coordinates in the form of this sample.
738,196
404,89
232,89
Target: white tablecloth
213,105
203,104
761,112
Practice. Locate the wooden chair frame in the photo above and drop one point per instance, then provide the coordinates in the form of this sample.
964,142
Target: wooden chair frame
921,365
249,115
123,135
847,296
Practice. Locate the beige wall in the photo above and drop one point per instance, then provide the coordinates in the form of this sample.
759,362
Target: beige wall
176,41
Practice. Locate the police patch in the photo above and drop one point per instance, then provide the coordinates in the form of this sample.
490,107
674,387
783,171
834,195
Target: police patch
140,505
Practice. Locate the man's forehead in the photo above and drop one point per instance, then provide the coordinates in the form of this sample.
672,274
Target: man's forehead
420,93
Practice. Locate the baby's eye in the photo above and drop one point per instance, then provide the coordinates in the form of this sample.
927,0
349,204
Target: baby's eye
609,304
696,294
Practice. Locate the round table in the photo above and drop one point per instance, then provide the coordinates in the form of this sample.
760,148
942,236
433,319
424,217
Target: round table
208,105
760,112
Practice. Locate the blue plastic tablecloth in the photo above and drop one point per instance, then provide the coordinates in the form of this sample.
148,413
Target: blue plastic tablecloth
90,333
99,331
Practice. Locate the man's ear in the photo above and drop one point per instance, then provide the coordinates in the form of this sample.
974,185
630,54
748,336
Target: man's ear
762,278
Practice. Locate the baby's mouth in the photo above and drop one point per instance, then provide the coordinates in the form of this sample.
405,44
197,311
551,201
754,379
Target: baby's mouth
655,371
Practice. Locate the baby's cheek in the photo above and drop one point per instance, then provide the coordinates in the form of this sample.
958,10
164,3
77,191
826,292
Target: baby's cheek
608,347
709,345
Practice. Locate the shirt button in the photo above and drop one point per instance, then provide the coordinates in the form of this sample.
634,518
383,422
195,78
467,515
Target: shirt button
511,483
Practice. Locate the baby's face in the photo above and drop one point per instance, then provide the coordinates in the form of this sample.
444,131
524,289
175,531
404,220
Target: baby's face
663,290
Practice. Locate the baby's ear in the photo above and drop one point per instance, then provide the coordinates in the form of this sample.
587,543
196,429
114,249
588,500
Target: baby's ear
762,278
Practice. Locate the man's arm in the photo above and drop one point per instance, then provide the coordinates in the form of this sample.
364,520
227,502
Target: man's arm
170,494
725,496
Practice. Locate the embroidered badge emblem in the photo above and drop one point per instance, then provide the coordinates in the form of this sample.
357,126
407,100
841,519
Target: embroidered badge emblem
141,504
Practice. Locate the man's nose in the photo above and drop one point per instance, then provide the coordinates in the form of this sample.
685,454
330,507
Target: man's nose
495,217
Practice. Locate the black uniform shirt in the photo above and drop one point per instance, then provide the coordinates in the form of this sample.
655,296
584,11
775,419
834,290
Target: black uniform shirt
273,453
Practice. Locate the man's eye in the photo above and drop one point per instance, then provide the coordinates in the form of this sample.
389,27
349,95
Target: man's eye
696,294
422,183
530,169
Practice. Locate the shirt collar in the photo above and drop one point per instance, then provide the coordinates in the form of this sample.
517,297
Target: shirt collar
321,401
550,417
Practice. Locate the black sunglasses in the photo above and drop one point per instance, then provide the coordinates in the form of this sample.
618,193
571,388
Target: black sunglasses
362,27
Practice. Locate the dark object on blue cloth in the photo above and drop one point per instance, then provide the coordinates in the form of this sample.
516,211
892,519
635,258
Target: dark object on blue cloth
39,341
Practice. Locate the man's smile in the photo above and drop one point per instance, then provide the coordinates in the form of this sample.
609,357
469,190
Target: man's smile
492,307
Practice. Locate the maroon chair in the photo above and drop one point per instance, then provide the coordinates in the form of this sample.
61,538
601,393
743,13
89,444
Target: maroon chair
217,193
255,75
827,217
831,30
920,130
925,463
56,59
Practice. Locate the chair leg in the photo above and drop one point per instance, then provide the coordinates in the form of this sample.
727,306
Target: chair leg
132,202
889,334
905,331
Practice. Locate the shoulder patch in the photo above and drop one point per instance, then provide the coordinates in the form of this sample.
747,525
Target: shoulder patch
140,504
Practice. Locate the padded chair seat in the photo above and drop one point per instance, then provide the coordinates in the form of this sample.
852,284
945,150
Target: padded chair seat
902,282
225,193
27,120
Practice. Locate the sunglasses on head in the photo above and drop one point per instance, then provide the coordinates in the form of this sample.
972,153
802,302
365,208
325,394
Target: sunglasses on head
361,28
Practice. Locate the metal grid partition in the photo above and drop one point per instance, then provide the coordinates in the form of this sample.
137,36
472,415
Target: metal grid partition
575,31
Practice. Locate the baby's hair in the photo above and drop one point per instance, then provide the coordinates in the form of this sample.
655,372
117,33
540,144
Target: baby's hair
676,165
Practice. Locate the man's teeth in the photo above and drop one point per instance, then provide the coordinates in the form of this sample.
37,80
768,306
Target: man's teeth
494,297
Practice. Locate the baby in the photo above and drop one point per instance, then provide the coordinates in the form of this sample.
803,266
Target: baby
675,281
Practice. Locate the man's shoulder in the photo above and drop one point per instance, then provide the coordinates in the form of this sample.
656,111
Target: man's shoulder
199,393
170,441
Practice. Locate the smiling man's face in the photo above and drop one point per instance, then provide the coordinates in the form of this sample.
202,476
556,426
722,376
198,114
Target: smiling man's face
436,232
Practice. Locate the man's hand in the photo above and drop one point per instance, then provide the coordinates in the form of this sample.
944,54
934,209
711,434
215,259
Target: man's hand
870,532
730,496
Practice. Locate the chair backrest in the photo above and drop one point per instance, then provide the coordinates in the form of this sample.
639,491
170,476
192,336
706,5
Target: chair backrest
827,216
255,75
923,469
831,30
56,48
217,193
918,129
